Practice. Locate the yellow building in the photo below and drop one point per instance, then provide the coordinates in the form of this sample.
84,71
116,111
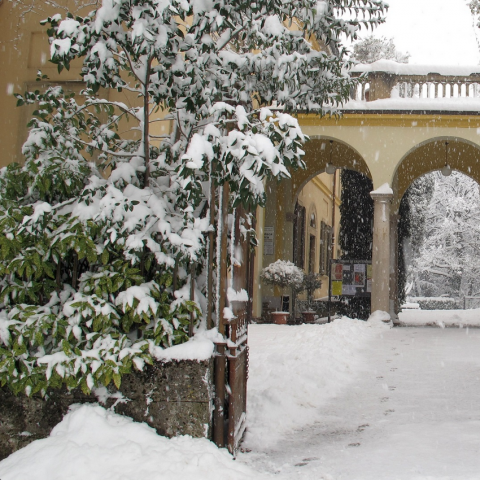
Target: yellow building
24,50
307,235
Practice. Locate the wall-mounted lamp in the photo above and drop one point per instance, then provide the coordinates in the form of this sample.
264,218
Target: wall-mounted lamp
330,168
447,169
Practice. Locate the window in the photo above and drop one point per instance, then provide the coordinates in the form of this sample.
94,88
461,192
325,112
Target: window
311,253
299,236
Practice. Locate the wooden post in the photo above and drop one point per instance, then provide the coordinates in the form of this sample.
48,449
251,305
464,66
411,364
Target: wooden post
250,273
192,298
223,258
210,262
219,413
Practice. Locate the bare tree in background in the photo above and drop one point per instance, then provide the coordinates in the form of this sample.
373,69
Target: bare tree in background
474,6
42,8
371,48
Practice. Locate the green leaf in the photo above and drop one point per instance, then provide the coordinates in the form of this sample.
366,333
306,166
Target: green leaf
117,379
105,257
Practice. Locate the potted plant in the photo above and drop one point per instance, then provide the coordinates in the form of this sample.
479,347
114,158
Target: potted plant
311,282
283,274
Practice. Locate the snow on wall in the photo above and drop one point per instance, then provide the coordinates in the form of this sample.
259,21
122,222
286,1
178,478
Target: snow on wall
92,443
453,104
389,66
440,318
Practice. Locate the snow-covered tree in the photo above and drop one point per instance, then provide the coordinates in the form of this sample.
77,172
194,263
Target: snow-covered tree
474,6
448,256
356,231
371,48
412,223
99,260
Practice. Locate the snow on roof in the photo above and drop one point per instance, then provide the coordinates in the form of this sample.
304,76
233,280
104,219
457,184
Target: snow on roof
454,104
389,66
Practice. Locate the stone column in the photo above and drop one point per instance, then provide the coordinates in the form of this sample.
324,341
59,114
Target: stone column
393,266
381,251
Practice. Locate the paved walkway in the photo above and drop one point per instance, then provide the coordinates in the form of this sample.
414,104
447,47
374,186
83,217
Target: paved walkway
414,414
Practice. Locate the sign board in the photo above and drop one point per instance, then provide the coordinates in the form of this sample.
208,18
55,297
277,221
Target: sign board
268,241
351,278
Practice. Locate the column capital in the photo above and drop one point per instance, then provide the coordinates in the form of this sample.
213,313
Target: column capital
381,197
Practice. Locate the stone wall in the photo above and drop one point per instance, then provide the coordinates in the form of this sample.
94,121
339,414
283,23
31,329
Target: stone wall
175,398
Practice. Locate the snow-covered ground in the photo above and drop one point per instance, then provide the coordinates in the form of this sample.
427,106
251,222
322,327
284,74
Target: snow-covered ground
293,371
92,443
350,400
440,318
411,415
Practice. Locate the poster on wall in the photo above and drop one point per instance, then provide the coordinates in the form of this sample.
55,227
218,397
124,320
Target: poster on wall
359,274
348,287
351,278
336,288
349,290
268,237
337,272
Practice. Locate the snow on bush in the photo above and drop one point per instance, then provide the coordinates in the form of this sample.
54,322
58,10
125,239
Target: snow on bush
435,303
284,274
97,259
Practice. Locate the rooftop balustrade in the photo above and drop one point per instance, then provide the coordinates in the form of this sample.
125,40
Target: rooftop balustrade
392,84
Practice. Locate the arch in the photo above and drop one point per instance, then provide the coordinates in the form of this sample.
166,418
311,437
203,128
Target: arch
317,155
428,156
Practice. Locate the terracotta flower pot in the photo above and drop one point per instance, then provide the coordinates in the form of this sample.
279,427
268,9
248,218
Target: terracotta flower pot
280,318
308,317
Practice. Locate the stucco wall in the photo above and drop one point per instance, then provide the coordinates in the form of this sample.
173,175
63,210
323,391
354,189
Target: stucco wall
383,141
24,49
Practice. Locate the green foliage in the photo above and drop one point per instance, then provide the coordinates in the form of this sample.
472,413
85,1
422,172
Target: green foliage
77,309
311,282
88,261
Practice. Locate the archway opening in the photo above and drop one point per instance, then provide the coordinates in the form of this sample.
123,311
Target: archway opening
438,251
303,220
439,242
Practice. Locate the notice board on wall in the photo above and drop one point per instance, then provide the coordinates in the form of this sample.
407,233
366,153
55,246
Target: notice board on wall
268,241
351,278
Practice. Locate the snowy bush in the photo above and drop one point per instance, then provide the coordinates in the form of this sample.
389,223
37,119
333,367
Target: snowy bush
98,259
435,303
85,286
283,274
